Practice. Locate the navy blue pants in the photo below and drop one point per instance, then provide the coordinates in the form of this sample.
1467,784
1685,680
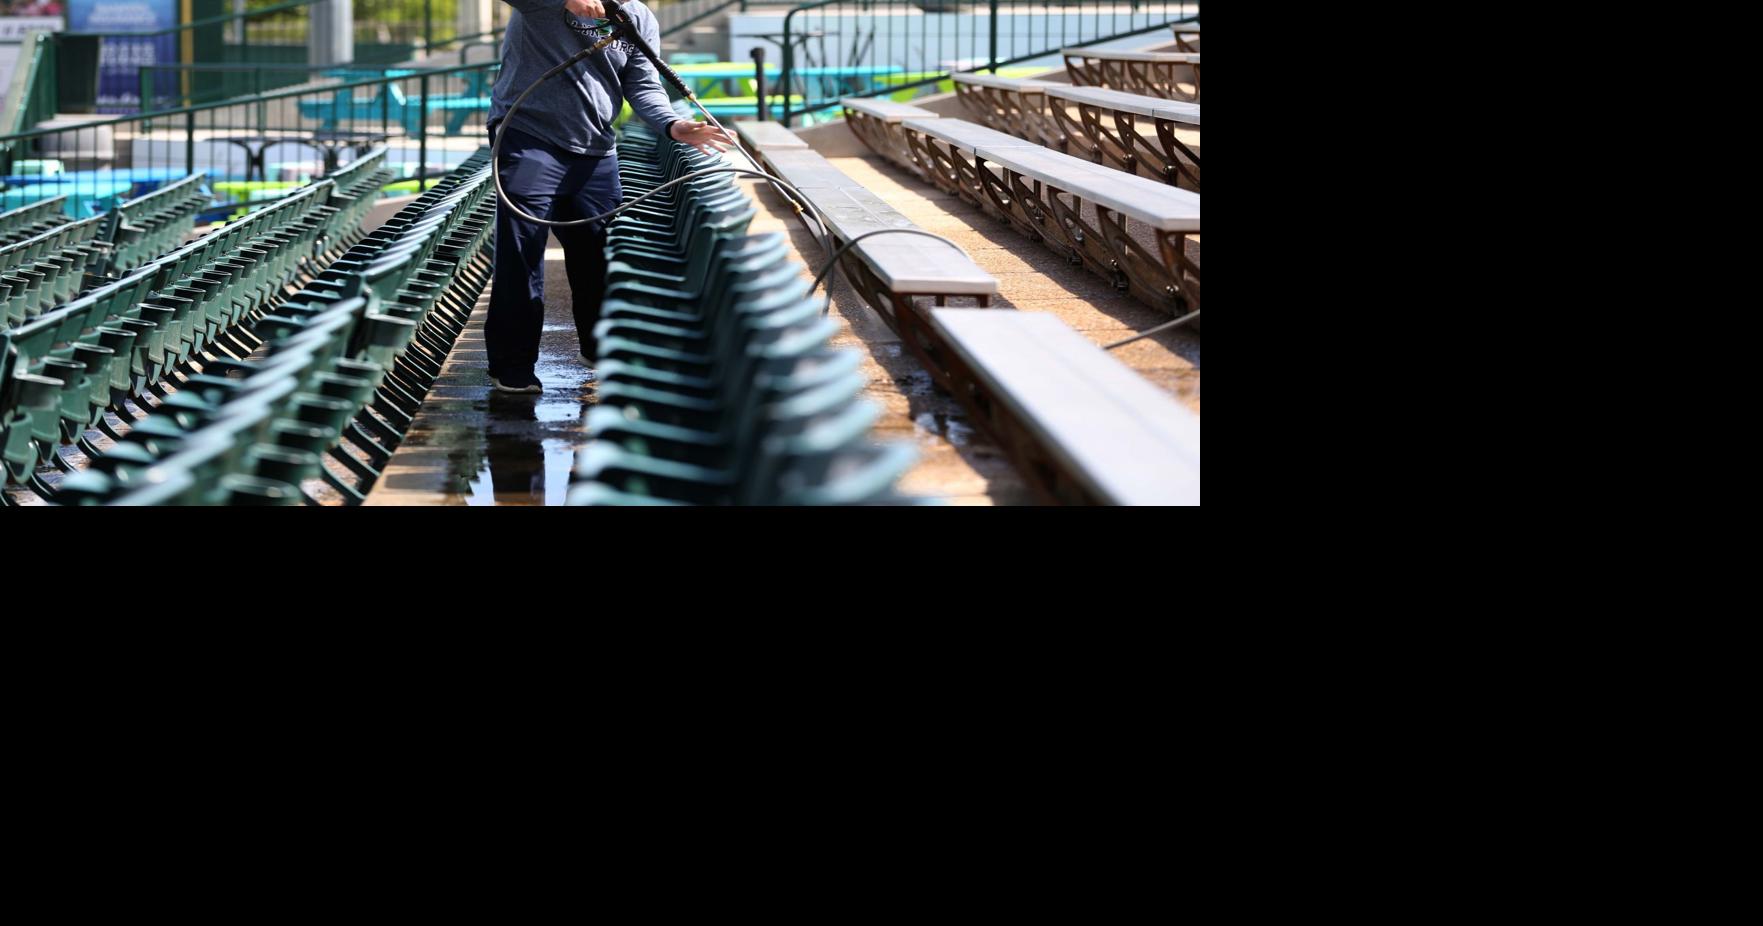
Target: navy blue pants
551,183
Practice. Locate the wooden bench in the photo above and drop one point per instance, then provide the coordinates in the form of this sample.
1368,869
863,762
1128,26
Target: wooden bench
1187,36
1106,132
890,272
1081,427
936,161
1080,209
1010,105
877,123
763,136
1170,75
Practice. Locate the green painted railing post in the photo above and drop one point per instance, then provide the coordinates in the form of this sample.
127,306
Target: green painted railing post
994,22
422,147
190,142
784,76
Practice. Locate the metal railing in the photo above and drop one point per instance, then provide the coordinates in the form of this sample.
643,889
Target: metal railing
274,33
881,47
679,14
30,97
165,86
168,86
257,149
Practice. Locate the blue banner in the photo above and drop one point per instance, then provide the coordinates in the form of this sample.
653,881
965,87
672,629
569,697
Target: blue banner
120,58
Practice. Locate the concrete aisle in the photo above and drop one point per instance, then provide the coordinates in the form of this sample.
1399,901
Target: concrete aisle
470,445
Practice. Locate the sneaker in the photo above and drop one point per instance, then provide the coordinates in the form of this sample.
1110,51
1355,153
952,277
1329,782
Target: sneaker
520,385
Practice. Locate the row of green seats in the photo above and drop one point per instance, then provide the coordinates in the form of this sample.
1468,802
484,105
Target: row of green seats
196,305
347,359
73,364
191,307
42,270
717,383
149,225
355,189
32,220
129,337
47,269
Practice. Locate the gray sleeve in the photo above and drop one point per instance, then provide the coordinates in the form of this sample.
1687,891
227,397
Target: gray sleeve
642,83
534,6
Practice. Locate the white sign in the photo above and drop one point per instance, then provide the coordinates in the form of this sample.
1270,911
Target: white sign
14,27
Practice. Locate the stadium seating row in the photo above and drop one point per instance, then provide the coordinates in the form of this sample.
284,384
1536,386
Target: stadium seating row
345,363
127,340
717,384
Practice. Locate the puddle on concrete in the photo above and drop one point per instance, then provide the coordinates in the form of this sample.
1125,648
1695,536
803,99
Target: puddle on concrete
550,411
951,428
916,383
527,444
516,473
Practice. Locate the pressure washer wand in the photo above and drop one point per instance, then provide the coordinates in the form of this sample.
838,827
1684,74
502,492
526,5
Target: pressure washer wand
629,29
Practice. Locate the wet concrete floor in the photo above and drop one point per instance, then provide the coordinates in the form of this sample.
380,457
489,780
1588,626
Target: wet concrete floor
471,445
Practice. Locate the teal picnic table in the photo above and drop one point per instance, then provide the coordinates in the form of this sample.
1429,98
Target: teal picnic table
84,198
703,77
345,106
349,75
390,103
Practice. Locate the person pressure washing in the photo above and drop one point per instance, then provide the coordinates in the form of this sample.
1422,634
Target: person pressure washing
558,162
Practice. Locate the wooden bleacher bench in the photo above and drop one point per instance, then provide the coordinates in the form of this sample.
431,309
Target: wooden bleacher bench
1106,132
1093,431
1079,208
1187,36
1170,75
1010,105
877,123
760,136
955,175
890,272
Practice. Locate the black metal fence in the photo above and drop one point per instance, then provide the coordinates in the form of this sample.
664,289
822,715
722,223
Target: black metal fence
173,85
258,149
679,14
836,48
272,33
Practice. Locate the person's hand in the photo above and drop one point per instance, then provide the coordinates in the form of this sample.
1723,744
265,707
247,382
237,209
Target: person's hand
703,136
585,9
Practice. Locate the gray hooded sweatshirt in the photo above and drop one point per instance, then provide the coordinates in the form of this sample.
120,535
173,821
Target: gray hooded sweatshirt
575,109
